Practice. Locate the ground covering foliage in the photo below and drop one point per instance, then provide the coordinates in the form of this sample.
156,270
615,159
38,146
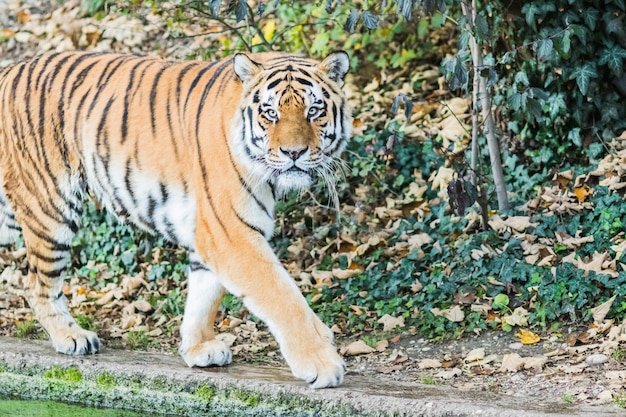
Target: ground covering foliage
395,270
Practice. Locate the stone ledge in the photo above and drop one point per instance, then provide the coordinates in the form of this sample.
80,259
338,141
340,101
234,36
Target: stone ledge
162,384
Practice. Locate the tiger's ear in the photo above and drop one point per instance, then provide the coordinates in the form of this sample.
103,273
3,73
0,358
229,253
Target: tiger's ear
336,65
245,68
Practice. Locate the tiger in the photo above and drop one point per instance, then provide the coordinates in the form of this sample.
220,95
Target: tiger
197,152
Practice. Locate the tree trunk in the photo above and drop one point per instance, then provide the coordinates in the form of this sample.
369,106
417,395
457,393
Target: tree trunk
483,96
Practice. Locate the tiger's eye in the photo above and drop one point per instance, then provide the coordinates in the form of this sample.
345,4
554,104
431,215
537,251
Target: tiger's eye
313,111
271,113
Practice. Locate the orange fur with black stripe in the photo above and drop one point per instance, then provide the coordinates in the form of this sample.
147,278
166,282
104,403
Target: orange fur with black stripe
197,152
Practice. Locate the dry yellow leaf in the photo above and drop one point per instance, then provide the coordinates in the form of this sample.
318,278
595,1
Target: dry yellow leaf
8,33
527,337
582,192
23,16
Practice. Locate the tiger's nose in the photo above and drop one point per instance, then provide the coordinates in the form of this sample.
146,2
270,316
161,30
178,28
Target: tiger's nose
295,152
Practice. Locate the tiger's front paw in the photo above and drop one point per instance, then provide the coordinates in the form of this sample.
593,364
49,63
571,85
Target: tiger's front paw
212,352
316,361
321,367
75,341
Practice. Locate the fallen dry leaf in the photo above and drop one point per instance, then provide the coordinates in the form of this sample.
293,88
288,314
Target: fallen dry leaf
449,373
429,364
475,355
454,314
600,312
519,317
356,348
535,363
381,345
582,192
416,286
441,178
142,306
390,323
345,273
527,337
519,223
596,264
512,362
392,368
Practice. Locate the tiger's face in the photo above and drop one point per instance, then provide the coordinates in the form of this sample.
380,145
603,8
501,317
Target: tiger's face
295,117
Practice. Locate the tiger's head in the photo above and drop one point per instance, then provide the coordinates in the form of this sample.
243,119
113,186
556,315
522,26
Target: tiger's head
294,119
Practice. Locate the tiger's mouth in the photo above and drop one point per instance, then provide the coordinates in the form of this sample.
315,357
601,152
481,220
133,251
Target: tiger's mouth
294,178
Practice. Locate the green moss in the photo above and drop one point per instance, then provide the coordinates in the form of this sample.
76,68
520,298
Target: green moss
68,375
250,399
206,392
160,384
105,380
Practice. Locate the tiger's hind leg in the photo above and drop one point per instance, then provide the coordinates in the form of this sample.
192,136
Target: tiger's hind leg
49,214
9,229
199,347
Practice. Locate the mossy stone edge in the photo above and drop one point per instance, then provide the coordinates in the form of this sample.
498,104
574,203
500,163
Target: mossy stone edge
160,396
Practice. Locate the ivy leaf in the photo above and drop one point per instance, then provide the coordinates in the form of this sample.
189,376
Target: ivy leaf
214,6
580,32
456,70
556,104
242,10
370,20
463,41
566,42
530,10
353,18
522,78
481,27
517,101
614,56
574,136
590,17
539,94
615,26
583,75
534,107
544,49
